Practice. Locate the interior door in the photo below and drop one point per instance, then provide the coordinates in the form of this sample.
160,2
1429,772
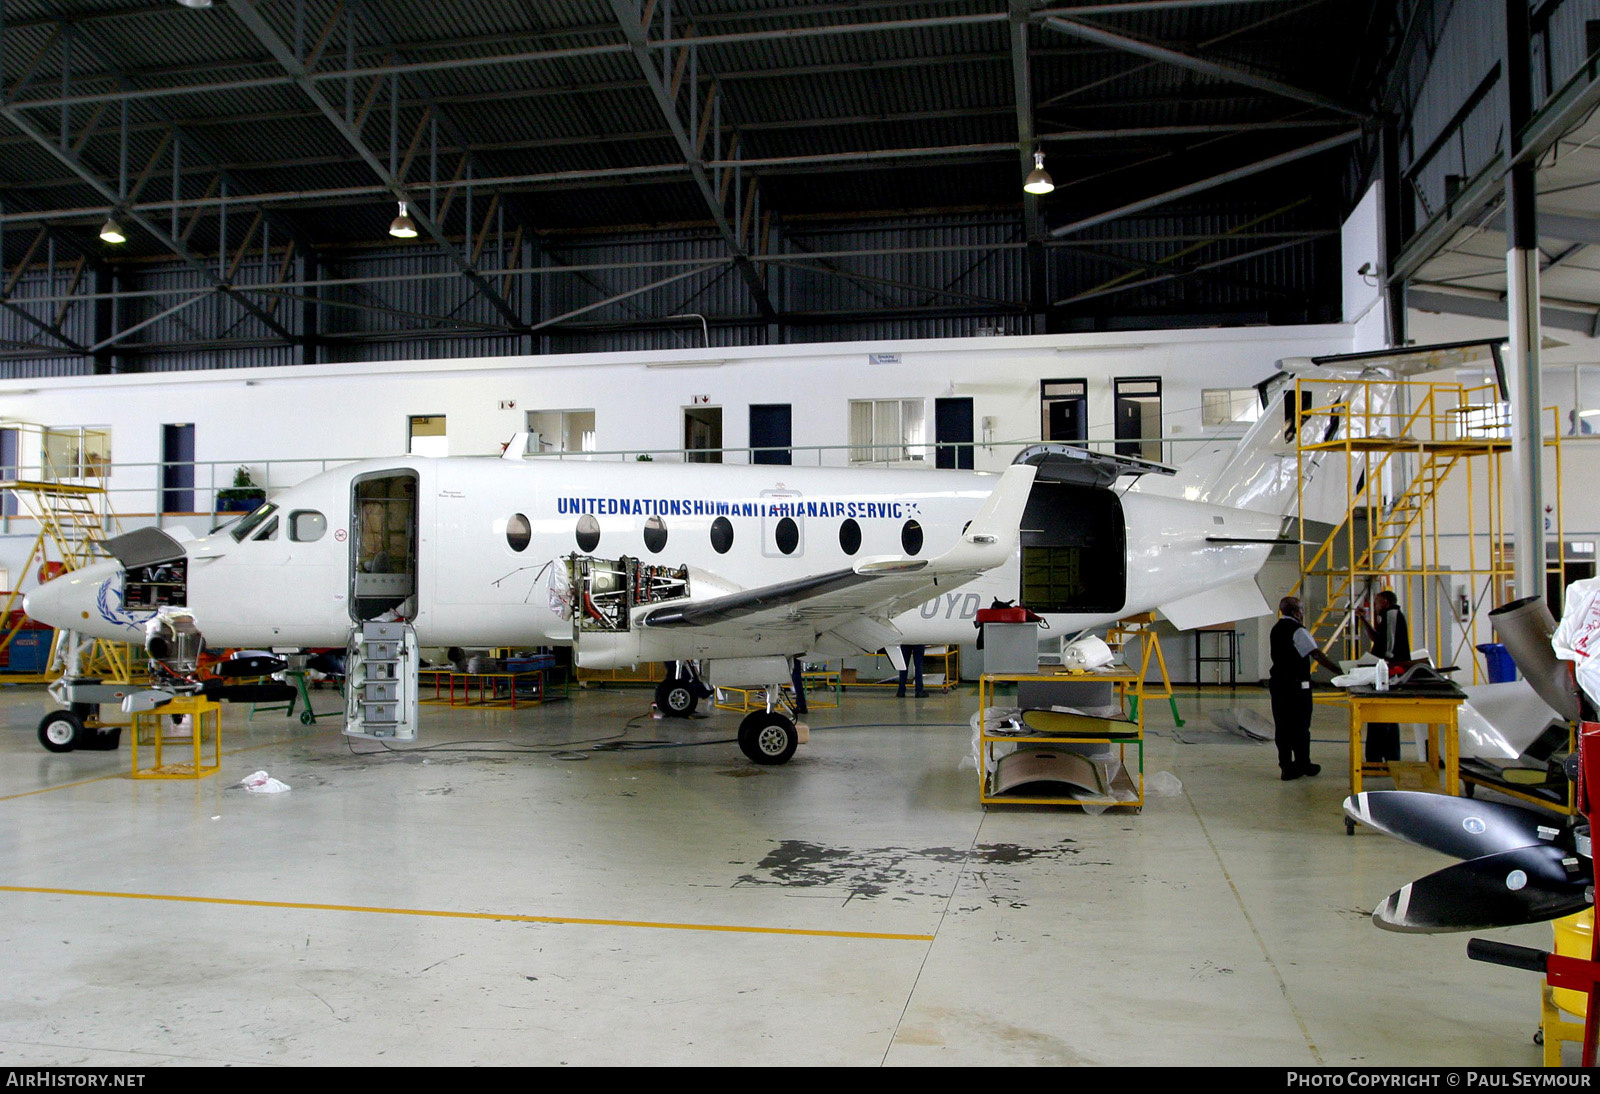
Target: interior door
771,433
952,433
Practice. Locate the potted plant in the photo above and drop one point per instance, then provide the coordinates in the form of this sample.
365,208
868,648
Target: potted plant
243,496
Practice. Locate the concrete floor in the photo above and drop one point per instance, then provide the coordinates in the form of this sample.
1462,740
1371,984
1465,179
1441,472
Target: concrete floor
510,896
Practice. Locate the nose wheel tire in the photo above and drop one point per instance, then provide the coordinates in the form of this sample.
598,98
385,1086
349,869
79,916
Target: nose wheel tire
767,738
60,731
676,698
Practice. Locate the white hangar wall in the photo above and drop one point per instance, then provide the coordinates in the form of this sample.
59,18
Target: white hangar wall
283,422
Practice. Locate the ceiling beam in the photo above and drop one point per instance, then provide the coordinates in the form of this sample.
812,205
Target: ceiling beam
1230,73
113,200
253,21
630,18
1207,183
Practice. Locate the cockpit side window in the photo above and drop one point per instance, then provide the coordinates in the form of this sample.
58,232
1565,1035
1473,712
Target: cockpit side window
307,526
251,522
268,531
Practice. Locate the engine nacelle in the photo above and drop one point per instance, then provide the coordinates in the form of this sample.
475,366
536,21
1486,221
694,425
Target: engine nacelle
172,639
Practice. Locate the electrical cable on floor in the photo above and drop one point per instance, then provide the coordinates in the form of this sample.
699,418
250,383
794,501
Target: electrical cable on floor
576,750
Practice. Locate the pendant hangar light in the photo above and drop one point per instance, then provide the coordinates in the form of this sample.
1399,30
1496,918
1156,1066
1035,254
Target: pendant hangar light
112,232
1038,180
403,227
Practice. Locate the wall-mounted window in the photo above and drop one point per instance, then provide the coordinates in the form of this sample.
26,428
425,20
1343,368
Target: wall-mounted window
1137,410
560,431
888,431
1064,410
76,454
427,437
1225,406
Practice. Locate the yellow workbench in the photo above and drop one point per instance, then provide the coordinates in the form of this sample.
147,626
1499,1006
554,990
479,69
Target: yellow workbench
1437,710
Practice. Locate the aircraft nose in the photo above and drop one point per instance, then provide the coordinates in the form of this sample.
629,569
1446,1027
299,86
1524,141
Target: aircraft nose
71,601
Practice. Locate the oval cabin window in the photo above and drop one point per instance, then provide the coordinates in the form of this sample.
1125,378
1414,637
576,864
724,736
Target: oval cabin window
911,537
588,533
519,533
655,535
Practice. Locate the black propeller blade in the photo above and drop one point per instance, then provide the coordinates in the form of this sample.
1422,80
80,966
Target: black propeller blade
1523,885
1459,827
254,665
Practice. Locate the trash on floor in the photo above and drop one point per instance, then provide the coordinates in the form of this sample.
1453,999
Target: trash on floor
262,783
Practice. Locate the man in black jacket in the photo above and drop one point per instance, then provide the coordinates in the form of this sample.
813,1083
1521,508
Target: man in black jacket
1293,650
1391,641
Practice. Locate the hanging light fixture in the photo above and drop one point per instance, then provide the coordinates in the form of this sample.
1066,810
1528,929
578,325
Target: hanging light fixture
403,227
195,3
1038,180
112,232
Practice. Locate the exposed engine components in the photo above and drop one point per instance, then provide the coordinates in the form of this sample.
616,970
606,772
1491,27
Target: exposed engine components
607,590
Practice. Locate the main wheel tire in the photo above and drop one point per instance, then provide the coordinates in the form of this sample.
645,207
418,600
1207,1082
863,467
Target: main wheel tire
676,698
768,739
60,731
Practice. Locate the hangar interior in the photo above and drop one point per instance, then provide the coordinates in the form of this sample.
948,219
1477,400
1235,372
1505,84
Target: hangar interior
247,244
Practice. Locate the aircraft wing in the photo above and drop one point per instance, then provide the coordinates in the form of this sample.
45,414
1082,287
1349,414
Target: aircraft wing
876,588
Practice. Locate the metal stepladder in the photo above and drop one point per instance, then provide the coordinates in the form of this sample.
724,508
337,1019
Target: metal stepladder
1142,628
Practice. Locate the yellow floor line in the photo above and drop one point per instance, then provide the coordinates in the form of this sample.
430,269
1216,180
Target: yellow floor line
502,917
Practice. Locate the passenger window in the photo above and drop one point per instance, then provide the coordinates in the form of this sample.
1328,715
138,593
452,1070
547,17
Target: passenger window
850,537
519,533
787,535
269,532
722,535
588,533
307,526
655,535
911,537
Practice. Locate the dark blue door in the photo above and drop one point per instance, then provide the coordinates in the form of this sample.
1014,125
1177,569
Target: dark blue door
952,433
177,468
10,469
770,429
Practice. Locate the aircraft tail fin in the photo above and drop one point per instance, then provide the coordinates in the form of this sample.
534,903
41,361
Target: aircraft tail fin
1262,471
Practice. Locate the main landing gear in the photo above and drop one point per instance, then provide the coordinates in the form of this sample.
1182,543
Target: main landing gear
768,737
679,695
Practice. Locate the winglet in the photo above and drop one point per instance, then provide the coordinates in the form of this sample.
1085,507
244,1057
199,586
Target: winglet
1001,516
991,538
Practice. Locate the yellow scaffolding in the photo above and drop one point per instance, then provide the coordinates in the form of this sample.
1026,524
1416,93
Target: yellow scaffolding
60,483
1401,444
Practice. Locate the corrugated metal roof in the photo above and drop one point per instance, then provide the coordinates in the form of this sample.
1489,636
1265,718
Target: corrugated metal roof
547,105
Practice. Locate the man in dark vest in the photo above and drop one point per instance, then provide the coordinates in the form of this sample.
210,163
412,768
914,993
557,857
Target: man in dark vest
1391,641
1293,649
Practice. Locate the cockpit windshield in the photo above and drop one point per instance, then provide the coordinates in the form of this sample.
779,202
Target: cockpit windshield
240,529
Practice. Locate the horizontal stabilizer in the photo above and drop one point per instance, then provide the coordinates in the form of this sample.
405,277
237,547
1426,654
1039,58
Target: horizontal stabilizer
1226,603
1271,541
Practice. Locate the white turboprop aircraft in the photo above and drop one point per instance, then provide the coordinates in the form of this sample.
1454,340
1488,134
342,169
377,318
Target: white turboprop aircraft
744,567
